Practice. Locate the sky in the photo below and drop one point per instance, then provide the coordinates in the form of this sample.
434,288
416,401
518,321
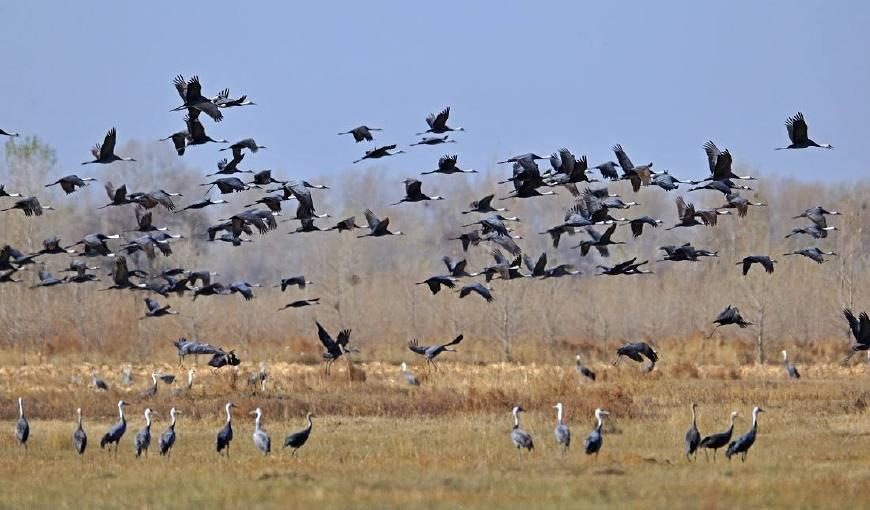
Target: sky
660,78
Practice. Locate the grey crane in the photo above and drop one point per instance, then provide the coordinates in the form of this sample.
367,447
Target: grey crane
527,157
47,280
467,239
817,215
519,437
264,178
595,440
143,438
438,123
378,227
436,282
4,193
156,310
562,433
225,434
361,133
22,426
151,199
735,201
434,140
693,437
582,369
430,352
745,442
719,439
179,141
299,281
191,93
151,243
637,175
796,126
409,378
227,185
447,166
167,439
79,438
30,206
477,288
685,252
484,205
346,225
105,152
246,289
599,241
247,143
789,366
203,204
688,215
297,439
230,167
222,100
380,152
813,230
116,431
98,383
813,254
725,186
71,183
720,164
334,348
8,133
668,182
538,268
457,268
117,196
636,351
186,348
258,378
860,328
121,275
637,224
608,170
145,222
730,315
151,390
261,438
763,260
196,133
493,224
10,255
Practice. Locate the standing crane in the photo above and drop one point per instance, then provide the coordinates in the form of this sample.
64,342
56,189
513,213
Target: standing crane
594,440
116,432
167,439
297,439
583,370
225,434
410,378
79,438
519,437
22,426
789,366
718,440
143,437
562,433
745,442
693,437
261,438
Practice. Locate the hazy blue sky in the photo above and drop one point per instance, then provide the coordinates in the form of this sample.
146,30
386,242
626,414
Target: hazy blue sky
658,77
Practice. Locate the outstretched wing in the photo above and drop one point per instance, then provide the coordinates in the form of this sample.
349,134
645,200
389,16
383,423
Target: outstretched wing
797,128
108,147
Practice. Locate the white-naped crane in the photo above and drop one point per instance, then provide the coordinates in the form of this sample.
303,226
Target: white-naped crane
447,165
719,439
223,100
519,437
594,441
812,253
729,316
744,443
30,206
298,439
116,431
484,205
817,215
720,165
414,192
430,352
104,153
860,328
637,175
434,140
361,133
438,123
436,282
742,204
637,351
562,432
762,260
71,183
477,288
196,132
693,437
380,152
790,368
334,348
246,143
797,129
378,227
191,93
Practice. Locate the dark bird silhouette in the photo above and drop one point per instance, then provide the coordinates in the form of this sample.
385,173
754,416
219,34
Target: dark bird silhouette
438,123
298,281
196,133
730,315
637,352
223,100
414,192
247,143
4,193
638,176
194,101
765,261
71,183
477,288
105,153
30,206
346,225
720,164
8,133
436,282
378,227
860,328
334,348
362,133
718,440
637,224
798,134
599,241
484,205
227,185
629,267
202,204
447,166
230,167
430,352
300,303
688,215
380,152
813,254
298,439
434,140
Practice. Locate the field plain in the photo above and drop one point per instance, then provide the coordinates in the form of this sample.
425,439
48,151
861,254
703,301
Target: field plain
378,443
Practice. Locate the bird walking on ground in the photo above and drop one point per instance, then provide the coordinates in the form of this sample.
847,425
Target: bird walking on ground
595,440
143,438
79,438
718,440
744,443
693,437
260,437
116,432
297,439
519,437
562,433
225,434
167,439
22,426
789,366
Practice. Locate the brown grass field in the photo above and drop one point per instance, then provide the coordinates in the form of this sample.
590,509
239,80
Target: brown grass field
378,443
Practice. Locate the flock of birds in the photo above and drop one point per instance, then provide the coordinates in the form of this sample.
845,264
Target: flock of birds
592,209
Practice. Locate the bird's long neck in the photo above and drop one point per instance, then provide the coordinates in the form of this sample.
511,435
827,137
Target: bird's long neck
172,423
694,421
80,418
731,427
310,423
20,408
559,414
754,421
516,420
147,420
229,415
598,424
257,422
121,412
